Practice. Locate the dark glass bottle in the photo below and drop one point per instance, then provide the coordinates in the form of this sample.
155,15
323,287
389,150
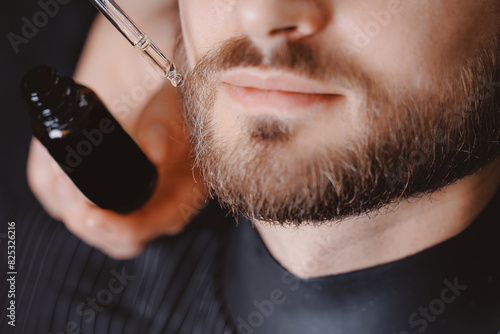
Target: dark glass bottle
101,159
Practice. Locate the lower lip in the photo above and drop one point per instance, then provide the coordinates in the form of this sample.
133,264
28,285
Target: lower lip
275,99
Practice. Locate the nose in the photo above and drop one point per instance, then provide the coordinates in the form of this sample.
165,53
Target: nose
269,22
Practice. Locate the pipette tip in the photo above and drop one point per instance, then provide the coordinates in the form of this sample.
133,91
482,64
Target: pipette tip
175,78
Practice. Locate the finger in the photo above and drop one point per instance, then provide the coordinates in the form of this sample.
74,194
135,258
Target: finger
117,245
45,181
160,128
63,201
160,216
153,139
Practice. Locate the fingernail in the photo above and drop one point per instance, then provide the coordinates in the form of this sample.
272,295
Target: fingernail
155,139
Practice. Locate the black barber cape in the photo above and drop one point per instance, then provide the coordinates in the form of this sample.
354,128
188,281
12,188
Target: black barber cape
218,277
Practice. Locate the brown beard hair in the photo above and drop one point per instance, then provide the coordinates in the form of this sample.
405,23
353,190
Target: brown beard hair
414,147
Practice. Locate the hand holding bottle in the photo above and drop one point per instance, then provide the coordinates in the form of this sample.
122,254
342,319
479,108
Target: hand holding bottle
157,130
160,133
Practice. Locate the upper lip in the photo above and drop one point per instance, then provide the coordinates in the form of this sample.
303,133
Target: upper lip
273,80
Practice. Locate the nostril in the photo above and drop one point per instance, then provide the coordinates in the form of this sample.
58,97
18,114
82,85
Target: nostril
280,31
278,20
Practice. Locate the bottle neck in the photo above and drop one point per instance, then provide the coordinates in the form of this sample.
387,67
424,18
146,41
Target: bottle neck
58,109
57,104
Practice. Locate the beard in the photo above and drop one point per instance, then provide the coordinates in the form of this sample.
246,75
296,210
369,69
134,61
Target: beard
406,145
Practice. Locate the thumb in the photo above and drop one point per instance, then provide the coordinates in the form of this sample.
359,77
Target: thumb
153,140
160,128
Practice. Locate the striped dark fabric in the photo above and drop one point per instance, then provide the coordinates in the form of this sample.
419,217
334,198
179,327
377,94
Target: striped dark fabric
218,277
65,286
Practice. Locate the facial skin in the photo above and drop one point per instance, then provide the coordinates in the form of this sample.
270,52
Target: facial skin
318,110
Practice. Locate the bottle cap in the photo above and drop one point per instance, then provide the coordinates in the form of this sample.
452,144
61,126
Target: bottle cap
39,83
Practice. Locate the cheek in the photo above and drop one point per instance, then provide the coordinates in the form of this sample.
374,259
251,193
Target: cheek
407,44
204,24
387,41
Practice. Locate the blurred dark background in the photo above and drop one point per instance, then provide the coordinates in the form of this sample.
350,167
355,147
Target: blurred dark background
33,32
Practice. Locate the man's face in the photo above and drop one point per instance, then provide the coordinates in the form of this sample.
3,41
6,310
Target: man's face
313,110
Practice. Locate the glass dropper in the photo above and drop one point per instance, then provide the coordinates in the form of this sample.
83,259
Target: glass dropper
139,40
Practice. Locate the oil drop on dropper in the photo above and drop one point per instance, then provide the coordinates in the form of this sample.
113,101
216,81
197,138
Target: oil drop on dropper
139,40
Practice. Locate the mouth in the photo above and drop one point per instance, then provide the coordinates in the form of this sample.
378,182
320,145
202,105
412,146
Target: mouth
274,90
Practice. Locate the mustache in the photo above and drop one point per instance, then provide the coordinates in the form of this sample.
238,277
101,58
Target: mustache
296,57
